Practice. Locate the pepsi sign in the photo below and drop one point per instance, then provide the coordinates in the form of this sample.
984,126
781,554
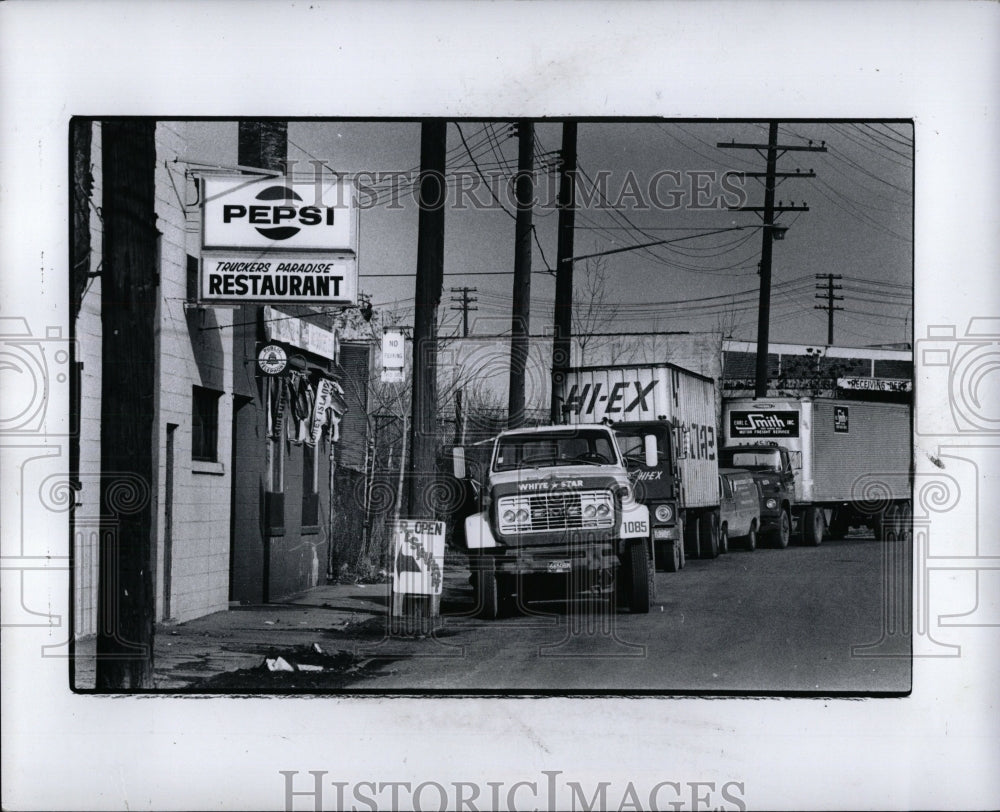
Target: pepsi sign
239,213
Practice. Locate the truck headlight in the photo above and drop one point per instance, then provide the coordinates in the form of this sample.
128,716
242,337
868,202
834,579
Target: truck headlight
603,509
664,513
508,516
590,511
521,516
771,504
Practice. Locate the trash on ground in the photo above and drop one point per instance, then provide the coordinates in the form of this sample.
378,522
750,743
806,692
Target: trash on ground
278,664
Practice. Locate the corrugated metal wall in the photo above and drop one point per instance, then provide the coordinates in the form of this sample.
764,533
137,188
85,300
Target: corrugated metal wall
876,448
695,407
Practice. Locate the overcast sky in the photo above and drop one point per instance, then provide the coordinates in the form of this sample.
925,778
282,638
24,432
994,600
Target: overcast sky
859,222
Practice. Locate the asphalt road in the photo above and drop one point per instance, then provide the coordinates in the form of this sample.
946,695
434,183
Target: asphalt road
829,619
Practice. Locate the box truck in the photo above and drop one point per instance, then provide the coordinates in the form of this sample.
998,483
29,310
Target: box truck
678,407
823,464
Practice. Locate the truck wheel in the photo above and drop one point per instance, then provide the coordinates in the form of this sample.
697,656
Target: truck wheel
709,533
485,590
890,525
784,531
507,604
724,539
692,537
877,525
751,540
905,522
636,577
813,526
839,524
672,558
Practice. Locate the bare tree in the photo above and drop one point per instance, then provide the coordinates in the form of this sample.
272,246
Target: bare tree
593,311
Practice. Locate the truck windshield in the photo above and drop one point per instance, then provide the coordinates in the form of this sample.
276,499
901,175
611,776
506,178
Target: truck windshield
755,460
532,450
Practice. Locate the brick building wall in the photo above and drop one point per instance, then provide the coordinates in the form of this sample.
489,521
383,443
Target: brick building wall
193,350
88,336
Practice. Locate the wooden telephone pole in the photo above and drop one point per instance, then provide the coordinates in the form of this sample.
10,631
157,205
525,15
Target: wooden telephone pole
524,186
828,294
563,316
772,152
262,145
427,298
129,288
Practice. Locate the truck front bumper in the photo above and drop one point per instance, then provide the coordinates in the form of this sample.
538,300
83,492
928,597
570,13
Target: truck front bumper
552,560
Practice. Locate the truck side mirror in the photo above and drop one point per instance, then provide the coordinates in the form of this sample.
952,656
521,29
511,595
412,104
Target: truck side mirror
649,449
458,462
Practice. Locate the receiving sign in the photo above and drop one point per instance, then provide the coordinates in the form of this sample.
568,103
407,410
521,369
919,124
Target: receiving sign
418,557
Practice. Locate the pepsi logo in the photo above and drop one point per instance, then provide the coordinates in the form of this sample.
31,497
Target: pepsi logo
279,208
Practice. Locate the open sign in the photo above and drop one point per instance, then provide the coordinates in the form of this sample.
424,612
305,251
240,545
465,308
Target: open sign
418,557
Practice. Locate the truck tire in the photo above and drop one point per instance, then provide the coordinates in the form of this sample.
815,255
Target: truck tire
692,537
671,555
507,604
750,542
905,522
709,532
890,524
485,590
877,525
784,532
813,526
724,539
839,524
636,577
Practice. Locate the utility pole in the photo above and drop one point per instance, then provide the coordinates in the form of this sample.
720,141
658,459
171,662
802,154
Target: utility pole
126,598
770,232
263,145
563,316
464,301
427,298
829,307
524,186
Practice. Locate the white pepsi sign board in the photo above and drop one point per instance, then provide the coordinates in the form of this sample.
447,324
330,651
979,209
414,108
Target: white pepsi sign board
240,212
273,241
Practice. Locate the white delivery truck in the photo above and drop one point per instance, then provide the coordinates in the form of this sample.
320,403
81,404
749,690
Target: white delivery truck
823,464
678,407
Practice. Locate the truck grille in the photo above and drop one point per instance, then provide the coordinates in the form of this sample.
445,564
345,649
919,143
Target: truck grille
571,510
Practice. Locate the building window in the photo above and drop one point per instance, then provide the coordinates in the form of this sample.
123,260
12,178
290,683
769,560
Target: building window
204,423
310,491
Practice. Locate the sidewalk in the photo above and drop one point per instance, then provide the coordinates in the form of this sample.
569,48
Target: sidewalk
333,617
